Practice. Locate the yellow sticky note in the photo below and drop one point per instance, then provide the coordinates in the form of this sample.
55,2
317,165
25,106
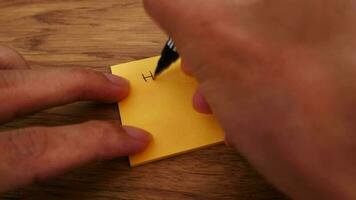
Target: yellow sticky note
163,107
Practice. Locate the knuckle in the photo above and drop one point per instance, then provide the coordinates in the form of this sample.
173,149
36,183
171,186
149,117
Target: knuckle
148,4
29,143
100,130
82,74
85,76
84,79
9,57
5,81
103,127
95,124
10,80
156,7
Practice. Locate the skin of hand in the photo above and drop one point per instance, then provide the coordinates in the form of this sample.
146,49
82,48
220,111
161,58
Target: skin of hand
36,153
280,76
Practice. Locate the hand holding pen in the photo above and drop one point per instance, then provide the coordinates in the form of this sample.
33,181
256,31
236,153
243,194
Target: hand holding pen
168,56
280,78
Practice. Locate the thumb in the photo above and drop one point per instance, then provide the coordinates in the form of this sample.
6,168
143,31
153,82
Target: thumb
34,154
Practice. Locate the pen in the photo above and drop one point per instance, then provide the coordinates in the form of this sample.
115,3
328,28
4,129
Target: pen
168,56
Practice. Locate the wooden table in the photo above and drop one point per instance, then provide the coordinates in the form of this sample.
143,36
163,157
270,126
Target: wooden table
97,34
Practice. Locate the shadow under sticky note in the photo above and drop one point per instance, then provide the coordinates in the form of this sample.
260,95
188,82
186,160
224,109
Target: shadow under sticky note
163,107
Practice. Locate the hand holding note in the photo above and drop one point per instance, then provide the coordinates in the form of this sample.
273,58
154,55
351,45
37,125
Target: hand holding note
36,153
280,78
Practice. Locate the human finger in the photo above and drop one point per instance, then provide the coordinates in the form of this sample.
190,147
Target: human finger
25,91
34,154
11,59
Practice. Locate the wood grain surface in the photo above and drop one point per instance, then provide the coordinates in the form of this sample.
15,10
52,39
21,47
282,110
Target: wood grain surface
97,34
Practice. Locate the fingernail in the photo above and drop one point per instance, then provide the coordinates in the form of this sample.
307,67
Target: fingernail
138,134
200,104
119,81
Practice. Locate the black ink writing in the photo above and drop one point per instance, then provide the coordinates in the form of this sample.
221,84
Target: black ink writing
147,77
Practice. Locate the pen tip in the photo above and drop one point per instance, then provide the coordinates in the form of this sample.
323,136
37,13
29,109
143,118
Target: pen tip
157,72
160,67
